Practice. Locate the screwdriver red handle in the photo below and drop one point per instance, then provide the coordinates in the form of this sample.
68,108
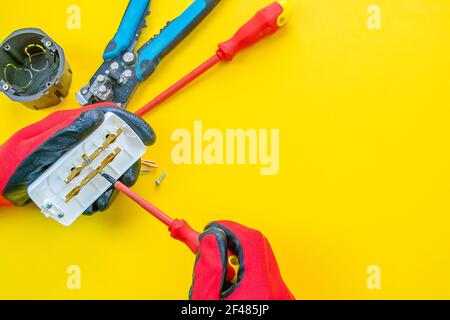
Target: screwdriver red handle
263,24
182,231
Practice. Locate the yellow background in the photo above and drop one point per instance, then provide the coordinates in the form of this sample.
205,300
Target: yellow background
364,170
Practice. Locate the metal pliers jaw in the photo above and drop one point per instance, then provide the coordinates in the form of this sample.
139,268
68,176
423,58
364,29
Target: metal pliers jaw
123,68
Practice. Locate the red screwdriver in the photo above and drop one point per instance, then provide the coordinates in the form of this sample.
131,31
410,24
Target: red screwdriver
179,229
266,22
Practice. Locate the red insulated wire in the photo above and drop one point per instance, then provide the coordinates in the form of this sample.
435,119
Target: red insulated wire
197,72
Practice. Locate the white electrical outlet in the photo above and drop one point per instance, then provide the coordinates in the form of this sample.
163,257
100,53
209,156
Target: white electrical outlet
51,191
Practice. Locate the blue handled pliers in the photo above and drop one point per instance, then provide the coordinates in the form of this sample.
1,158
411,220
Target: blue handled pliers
123,68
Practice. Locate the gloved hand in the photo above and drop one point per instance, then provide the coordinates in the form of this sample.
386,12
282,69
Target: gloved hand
258,278
28,153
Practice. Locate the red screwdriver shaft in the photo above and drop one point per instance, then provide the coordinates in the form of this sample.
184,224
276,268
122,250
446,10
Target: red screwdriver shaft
197,72
158,214
179,229
266,22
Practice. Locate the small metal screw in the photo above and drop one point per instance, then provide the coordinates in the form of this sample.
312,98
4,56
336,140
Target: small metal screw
102,89
48,205
161,178
85,92
5,87
114,66
128,58
48,44
60,215
101,78
127,73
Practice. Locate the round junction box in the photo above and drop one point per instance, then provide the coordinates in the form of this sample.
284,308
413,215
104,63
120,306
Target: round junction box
33,69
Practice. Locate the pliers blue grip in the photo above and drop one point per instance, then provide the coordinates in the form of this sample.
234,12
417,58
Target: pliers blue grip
136,11
151,53
122,69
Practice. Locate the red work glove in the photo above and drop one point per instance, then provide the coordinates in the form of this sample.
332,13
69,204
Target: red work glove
259,277
28,153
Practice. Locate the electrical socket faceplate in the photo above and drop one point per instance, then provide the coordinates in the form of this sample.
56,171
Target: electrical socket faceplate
49,192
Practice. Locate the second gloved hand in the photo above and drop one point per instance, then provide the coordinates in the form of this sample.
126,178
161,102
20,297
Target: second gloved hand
259,277
32,150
